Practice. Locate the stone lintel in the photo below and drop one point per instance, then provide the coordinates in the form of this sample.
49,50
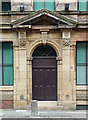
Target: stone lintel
44,27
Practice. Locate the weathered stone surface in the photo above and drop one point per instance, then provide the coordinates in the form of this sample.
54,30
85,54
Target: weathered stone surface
6,95
6,104
5,19
83,18
34,108
82,95
27,5
67,95
60,5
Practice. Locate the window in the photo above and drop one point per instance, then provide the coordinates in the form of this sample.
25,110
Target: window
67,6
21,7
6,6
81,107
44,50
40,4
82,5
6,64
82,63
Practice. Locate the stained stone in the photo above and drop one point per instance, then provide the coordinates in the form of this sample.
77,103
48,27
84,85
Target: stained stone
34,108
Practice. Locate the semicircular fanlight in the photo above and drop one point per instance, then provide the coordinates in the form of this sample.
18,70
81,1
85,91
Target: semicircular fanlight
44,50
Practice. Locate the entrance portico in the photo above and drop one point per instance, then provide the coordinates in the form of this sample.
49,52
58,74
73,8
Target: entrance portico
46,78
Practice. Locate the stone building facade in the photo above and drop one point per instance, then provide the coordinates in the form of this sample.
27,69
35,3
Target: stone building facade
44,56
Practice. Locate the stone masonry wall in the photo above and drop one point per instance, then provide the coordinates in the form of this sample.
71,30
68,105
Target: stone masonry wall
60,5
15,5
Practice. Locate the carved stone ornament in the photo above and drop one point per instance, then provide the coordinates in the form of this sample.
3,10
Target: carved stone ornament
16,43
66,35
22,35
66,42
83,18
82,95
44,37
22,42
21,97
22,38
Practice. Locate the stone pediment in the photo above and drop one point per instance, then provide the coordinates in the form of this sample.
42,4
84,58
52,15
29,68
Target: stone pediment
44,18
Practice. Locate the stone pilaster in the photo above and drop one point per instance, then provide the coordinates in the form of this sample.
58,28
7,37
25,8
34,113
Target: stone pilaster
59,81
20,78
68,78
29,81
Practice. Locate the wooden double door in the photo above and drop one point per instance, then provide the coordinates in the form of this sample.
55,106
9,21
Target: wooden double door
44,75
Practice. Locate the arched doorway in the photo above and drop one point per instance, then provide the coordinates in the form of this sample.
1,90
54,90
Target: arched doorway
44,74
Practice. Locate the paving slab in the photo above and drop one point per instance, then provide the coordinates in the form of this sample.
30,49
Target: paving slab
43,115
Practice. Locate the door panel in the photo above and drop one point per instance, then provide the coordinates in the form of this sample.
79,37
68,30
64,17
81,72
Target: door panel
38,92
50,84
44,62
44,84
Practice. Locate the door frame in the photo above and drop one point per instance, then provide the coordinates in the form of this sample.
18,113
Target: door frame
56,47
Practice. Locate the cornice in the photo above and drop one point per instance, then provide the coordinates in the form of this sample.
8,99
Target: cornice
59,12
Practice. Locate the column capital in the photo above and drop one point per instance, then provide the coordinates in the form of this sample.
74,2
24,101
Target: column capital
30,59
58,58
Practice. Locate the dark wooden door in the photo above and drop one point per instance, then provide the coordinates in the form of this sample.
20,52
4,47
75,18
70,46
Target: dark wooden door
44,84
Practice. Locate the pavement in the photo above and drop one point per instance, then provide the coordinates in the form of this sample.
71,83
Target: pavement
43,114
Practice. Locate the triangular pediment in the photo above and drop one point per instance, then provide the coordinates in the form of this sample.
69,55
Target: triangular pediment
45,17
42,20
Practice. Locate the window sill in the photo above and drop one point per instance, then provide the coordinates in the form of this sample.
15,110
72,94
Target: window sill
81,102
6,88
82,87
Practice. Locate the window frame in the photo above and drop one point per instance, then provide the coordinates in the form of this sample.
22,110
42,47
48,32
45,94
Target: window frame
86,5
9,65
2,6
86,64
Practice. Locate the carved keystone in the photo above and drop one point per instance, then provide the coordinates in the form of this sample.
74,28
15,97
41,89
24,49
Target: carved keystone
44,37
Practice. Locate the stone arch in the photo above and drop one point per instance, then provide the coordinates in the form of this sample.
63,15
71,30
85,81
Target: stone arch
53,44
32,47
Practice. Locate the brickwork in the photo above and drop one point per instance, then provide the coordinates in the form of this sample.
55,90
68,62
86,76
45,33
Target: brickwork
6,104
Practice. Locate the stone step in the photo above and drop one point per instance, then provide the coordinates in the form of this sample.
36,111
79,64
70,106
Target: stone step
49,105
44,119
